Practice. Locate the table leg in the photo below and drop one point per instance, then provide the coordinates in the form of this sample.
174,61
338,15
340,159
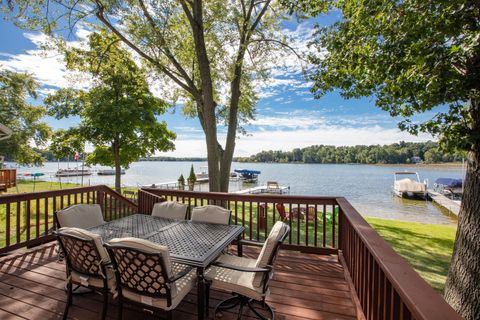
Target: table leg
200,293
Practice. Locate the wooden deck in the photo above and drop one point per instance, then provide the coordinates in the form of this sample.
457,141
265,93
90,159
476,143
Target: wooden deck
305,286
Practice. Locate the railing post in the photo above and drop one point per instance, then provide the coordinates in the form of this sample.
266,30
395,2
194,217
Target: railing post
100,199
340,228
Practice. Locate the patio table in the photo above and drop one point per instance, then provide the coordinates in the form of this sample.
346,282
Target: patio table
192,243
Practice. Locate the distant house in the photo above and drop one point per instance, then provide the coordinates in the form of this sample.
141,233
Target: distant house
416,160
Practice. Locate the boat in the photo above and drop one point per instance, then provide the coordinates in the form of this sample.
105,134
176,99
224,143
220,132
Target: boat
449,187
408,184
109,172
75,172
248,175
203,175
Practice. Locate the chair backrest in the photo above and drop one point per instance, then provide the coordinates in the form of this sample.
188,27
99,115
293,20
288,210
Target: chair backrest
142,267
269,250
80,216
211,214
84,251
281,211
170,209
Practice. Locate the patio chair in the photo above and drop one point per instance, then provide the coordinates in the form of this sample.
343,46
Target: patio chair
247,278
87,264
146,277
211,214
79,216
284,215
170,209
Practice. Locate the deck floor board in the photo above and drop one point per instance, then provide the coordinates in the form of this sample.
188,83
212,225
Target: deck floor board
304,287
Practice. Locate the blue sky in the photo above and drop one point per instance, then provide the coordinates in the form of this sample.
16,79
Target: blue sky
287,115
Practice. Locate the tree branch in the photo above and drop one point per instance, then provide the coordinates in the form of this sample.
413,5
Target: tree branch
162,68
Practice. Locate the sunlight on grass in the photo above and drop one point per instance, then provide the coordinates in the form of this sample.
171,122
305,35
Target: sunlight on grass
427,247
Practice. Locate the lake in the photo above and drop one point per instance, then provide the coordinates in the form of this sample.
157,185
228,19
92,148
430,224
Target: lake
367,187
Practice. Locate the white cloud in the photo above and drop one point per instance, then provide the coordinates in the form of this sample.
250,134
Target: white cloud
288,139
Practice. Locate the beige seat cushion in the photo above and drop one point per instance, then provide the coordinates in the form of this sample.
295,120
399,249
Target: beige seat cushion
211,214
235,281
170,209
84,234
179,289
277,232
81,216
94,281
183,286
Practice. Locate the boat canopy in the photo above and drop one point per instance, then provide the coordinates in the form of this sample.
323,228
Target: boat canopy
449,182
247,171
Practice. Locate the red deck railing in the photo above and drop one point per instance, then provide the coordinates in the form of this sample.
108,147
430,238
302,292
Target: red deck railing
8,178
26,219
386,286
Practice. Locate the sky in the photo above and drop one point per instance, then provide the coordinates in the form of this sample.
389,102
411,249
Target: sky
287,115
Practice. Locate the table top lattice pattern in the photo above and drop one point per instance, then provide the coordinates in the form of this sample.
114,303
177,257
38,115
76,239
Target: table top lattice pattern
192,243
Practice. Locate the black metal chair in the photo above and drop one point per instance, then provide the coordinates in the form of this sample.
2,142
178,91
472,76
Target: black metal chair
246,278
146,277
86,264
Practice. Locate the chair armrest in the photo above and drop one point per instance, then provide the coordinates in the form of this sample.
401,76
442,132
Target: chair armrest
180,275
251,243
240,268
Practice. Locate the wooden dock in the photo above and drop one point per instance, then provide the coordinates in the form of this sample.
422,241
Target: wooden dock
449,204
265,189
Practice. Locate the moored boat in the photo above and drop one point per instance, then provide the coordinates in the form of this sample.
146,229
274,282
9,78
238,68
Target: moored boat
75,172
248,175
408,184
109,172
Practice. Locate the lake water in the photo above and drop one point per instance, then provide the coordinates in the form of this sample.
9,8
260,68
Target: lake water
367,187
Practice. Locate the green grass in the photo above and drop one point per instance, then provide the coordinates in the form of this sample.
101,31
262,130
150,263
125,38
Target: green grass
427,247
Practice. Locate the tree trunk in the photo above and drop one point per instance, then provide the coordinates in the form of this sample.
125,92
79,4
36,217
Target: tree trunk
118,167
208,103
462,289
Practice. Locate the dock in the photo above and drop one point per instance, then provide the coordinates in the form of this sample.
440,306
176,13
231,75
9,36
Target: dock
449,204
265,189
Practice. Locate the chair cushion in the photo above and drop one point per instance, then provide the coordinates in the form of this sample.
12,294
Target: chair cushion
81,216
235,281
277,232
82,233
183,286
170,209
95,281
211,214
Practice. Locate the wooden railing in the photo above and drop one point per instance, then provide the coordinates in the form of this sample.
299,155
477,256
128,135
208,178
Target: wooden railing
8,178
386,286
313,220
27,219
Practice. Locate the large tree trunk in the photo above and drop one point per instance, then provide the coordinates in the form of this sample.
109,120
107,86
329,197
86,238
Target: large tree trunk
208,103
118,167
462,290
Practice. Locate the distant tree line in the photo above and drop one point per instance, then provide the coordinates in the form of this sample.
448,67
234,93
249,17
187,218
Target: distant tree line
403,152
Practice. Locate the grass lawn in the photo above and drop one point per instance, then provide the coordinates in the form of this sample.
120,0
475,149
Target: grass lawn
427,247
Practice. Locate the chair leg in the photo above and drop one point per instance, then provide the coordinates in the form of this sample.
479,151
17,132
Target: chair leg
265,305
69,299
120,308
170,315
207,297
105,301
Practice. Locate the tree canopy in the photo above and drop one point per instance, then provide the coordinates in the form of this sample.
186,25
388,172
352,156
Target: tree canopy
22,117
118,114
214,53
420,60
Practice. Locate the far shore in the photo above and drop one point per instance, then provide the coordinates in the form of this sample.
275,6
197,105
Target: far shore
439,166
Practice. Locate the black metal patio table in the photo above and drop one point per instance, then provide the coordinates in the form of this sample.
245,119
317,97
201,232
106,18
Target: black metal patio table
192,243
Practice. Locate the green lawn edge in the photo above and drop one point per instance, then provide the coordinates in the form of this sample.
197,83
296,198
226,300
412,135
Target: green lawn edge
426,247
